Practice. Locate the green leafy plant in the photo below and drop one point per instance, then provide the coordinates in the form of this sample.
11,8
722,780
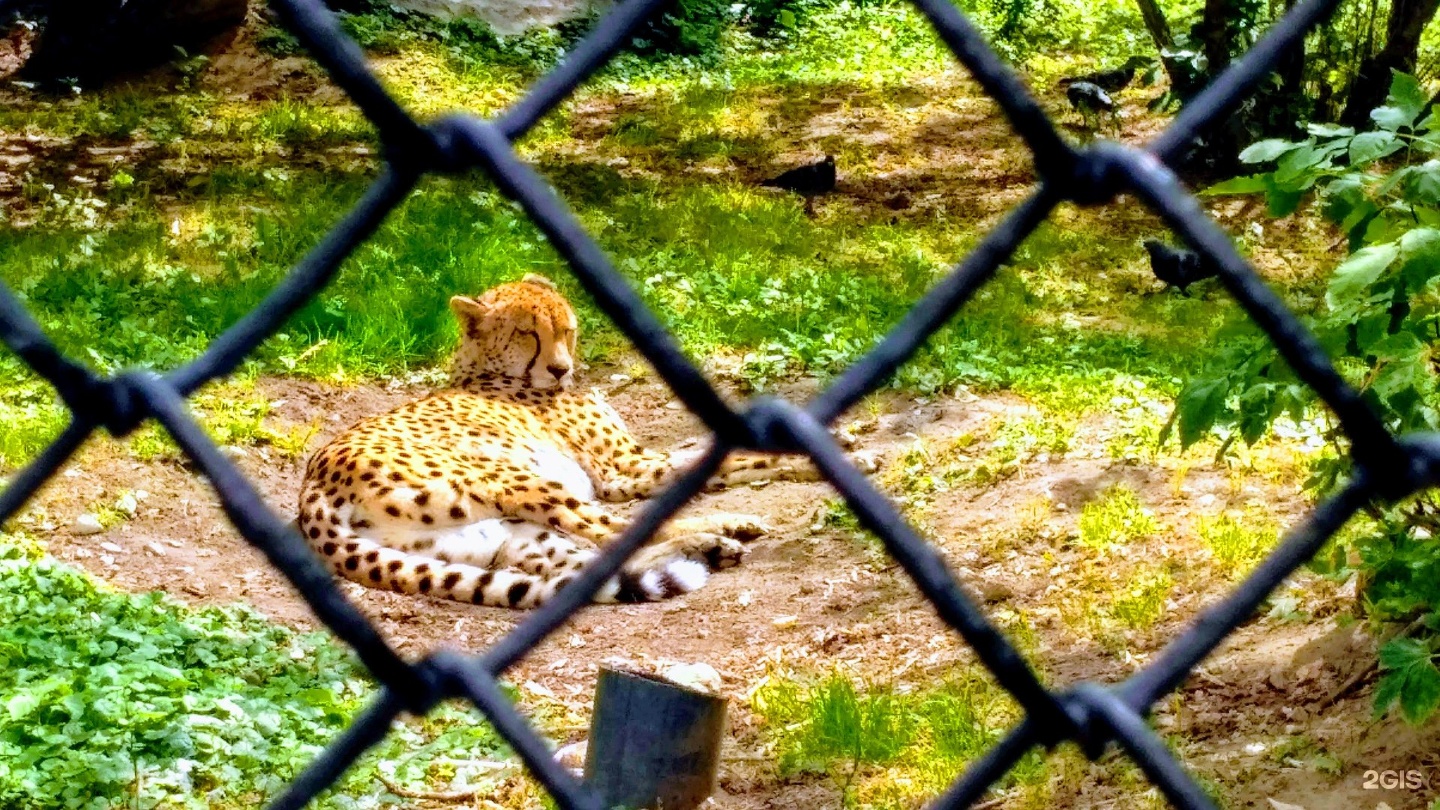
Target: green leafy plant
1380,319
112,700
108,698
1411,679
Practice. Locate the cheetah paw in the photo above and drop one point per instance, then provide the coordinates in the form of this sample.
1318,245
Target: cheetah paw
722,552
740,527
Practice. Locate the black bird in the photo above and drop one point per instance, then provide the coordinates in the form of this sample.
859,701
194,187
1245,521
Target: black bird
1089,100
810,181
1177,267
1111,81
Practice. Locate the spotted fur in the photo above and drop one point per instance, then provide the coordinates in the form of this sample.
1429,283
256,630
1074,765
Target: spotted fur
489,492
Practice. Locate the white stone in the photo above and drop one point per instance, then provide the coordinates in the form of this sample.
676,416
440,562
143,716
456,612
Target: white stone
699,676
86,524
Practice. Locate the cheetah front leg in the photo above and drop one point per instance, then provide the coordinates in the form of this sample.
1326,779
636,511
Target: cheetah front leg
622,470
551,505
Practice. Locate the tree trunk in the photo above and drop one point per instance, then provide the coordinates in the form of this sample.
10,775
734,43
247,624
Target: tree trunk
96,39
1408,19
1215,33
1157,25
1291,66
1180,81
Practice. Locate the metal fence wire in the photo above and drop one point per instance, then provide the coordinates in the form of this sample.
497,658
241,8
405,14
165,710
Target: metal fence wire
1094,716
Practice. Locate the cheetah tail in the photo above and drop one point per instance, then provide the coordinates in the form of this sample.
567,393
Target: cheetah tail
367,562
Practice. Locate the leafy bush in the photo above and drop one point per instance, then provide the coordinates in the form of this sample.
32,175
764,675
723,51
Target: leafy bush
1381,319
110,699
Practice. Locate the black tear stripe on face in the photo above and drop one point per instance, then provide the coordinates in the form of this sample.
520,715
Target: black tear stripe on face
1097,717
534,358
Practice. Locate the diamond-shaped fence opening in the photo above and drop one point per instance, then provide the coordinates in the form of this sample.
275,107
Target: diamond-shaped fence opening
1092,715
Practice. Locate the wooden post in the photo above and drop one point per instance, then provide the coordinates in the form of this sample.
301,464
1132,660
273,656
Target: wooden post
654,745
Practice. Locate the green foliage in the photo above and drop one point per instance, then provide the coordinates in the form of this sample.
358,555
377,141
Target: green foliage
1380,318
1381,309
108,699
1411,679
111,700
1142,604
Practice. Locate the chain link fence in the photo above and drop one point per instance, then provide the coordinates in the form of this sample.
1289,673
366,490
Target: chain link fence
1092,715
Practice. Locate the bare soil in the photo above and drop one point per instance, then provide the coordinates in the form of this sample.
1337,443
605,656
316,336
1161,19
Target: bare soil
809,598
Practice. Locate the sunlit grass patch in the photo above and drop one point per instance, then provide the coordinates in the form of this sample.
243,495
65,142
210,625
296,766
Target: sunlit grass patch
233,414
1115,519
1237,544
885,747
1142,603
30,418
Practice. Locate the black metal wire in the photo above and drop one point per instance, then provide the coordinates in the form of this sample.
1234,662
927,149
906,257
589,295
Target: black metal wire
1093,716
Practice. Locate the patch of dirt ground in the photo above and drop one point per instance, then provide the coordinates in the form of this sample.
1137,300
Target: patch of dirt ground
810,597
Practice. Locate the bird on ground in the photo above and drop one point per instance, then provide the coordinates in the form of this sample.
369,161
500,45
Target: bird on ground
1090,101
810,181
1111,81
1177,267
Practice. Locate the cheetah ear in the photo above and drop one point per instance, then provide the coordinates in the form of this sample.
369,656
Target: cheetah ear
538,280
464,308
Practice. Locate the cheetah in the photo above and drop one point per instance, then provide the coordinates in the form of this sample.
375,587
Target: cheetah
490,491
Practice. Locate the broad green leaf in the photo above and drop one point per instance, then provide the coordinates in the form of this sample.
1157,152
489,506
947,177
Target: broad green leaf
1282,202
1238,185
1343,196
1405,103
1368,146
1358,272
1329,130
1421,694
1404,653
1390,119
1424,183
1267,150
21,705
1199,407
1419,242
1396,178
1399,346
1297,164
1407,94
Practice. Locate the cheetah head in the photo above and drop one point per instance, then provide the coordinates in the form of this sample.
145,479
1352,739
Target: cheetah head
524,331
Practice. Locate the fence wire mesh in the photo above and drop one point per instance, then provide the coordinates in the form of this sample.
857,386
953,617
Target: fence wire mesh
1092,715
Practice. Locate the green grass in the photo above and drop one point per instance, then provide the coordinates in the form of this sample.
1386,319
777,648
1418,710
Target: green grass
1237,544
885,747
731,270
181,239
1115,519
1142,604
